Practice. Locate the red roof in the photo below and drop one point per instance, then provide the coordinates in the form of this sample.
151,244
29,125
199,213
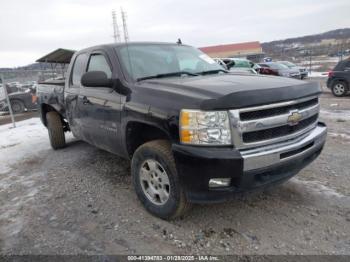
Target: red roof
231,47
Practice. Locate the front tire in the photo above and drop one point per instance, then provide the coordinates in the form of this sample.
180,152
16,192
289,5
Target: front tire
55,129
156,180
339,89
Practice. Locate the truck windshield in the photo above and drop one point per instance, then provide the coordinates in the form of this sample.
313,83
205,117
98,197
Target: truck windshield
143,61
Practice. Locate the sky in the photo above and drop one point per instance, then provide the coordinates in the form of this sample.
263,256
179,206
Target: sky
30,29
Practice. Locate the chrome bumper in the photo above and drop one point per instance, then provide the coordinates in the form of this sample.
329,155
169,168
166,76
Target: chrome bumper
280,153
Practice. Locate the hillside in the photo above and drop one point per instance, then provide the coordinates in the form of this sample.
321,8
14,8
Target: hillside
334,34
331,43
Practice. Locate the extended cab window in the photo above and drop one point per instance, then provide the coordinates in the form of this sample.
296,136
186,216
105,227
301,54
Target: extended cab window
98,62
78,69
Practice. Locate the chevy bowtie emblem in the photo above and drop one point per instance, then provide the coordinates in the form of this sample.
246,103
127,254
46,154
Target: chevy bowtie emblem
294,118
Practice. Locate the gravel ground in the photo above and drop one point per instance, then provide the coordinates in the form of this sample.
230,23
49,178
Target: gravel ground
79,200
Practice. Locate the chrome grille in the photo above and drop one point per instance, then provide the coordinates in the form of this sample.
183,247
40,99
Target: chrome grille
267,124
250,115
271,133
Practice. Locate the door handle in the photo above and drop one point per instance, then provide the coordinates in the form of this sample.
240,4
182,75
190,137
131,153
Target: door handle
86,101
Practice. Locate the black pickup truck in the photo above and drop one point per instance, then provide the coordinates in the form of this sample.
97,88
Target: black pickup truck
194,132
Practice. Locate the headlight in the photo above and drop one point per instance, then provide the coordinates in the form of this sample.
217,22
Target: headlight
205,127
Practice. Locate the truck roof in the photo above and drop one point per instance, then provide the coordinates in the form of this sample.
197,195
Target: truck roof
111,45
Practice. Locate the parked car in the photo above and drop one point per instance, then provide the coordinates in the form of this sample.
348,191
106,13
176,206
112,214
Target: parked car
274,68
237,65
339,78
20,101
264,69
303,71
194,132
13,87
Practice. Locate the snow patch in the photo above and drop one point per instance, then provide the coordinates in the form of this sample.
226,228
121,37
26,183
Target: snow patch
318,188
17,144
317,74
26,140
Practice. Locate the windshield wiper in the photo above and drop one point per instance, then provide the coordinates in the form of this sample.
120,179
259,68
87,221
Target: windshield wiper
213,71
180,73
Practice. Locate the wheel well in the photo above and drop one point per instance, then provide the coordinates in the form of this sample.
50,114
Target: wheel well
342,81
45,108
139,133
17,99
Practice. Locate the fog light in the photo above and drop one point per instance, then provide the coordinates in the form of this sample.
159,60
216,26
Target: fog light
219,182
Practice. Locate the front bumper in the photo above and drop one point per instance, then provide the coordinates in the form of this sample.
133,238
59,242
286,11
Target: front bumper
297,76
248,169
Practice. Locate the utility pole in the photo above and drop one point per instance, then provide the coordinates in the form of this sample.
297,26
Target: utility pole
341,50
310,53
125,28
116,33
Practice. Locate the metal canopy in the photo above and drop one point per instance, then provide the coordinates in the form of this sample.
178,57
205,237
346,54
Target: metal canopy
59,56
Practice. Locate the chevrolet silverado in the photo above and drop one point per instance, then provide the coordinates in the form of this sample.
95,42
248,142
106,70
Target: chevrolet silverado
194,132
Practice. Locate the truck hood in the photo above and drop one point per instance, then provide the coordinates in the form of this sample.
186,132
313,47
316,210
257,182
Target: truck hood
224,91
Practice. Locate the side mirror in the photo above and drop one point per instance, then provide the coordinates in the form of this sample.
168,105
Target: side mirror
96,79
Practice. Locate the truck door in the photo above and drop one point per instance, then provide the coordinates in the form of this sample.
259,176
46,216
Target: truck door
72,90
101,107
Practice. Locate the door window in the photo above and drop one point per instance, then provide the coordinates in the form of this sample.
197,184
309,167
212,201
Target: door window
98,62
78,69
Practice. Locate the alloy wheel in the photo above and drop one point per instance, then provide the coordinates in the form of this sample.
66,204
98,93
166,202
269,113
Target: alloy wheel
339,89
154,182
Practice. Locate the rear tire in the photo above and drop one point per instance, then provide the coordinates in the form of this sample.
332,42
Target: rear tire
339,88
158,152
55,129
17,106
